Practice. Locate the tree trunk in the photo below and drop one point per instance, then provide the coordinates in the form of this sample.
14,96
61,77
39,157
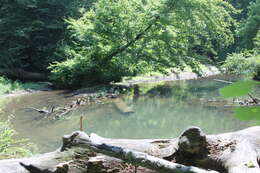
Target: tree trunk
17,73
235,152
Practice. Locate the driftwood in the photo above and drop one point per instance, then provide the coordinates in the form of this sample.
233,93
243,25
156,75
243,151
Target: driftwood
53,113
235,152
17,73
223,81
59,112
41,111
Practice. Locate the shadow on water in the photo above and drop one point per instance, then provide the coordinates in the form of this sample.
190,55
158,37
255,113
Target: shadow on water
161,110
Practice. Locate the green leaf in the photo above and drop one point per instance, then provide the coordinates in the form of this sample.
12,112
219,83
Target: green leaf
247,113
237,89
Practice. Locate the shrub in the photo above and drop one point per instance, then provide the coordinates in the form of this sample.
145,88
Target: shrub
238,63
257,71
8,86
11,147
245,63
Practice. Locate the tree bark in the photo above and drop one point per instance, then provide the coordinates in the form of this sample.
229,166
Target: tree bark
235,152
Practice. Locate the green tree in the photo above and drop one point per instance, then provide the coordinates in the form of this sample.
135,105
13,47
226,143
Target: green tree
250,26
242,5
127,37
30,31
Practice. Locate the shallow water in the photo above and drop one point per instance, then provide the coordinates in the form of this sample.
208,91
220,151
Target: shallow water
161,111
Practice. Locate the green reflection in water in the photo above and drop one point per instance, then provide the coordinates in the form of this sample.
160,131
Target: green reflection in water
239,88
242,88
161,111
247,113
163,118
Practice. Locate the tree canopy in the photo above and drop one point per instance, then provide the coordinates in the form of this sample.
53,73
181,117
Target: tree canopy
251,26
117,38
99,41
30,31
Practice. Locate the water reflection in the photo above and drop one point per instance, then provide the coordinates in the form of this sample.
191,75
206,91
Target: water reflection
247,113
160,111
247,90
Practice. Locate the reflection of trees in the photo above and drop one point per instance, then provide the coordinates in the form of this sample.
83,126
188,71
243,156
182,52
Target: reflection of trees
241,89
183,90
247,113
178,91
164,111
159,117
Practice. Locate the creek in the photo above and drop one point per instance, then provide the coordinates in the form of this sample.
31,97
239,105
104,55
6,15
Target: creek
162,110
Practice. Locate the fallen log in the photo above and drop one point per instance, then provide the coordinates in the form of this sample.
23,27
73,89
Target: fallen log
41,111
235,152
17,73
133,157
223,81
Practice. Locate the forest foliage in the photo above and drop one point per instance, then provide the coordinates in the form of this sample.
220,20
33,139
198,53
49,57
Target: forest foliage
246,57
118,38
30,31
98,41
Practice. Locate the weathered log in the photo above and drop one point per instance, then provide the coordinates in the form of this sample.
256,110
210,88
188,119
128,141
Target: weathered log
17,73
223,81
42,162
41,111
131,156
235,152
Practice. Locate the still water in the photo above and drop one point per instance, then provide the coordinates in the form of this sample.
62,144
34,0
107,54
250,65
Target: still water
162,110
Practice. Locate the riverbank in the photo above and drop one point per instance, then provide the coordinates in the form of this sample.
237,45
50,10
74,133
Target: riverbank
99,94
187,74
9,88
127,82
25,91
172,101
193,151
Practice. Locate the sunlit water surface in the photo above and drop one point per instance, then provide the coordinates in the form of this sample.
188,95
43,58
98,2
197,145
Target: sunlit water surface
162,111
